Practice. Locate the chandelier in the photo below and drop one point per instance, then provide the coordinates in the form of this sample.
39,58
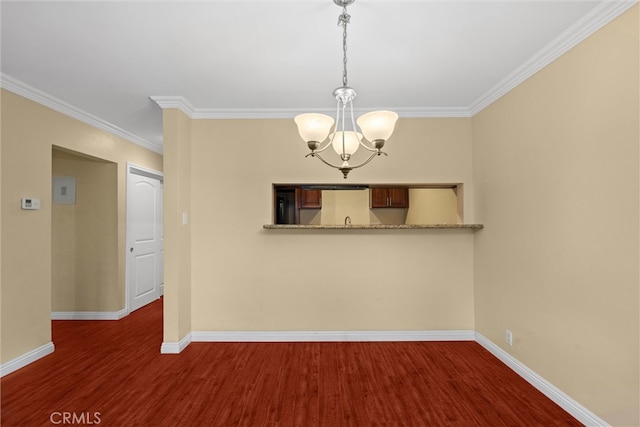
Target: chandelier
375,127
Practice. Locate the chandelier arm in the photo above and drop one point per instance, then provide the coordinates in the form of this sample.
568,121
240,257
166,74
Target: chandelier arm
323,148
335,130
353,118
326,162
333,135
368,160
343,129
373,150
355,129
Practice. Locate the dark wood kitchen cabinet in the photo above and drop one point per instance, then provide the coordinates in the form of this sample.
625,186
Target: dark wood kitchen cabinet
389,197
310,199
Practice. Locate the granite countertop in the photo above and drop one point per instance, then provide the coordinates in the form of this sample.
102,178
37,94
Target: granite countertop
371,226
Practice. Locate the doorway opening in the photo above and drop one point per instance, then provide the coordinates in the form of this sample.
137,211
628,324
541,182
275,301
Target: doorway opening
84,224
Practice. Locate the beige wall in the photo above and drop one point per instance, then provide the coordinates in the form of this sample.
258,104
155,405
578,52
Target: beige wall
556,177
248,278
177,235
29,131
84,245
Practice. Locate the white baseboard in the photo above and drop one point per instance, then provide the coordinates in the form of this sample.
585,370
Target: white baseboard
563,400
175,347
89,315
315,336
27,358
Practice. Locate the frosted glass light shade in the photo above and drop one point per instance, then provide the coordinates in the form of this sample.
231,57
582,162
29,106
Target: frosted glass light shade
377,124
313,127
351,142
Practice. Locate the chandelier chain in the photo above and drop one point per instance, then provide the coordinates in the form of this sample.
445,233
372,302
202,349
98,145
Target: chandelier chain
343,20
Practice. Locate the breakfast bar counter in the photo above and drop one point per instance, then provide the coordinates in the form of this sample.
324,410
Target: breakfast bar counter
472,227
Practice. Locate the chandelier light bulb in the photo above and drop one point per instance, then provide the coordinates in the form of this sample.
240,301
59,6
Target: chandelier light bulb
351,143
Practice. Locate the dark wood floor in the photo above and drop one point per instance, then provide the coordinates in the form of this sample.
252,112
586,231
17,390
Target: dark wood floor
115,369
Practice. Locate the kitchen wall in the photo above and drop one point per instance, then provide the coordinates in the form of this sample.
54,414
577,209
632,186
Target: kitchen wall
433,206
337,205
26,171
426,206
556,174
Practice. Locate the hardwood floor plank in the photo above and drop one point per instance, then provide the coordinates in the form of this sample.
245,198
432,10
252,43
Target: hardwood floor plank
115,368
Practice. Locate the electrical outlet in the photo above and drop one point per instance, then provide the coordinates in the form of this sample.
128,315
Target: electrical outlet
509,337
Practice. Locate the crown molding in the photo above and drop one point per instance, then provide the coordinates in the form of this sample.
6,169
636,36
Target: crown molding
179,102
190,111
20,88
289,113
597,18
427,112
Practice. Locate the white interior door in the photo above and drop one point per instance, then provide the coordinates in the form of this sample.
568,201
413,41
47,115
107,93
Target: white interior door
144,237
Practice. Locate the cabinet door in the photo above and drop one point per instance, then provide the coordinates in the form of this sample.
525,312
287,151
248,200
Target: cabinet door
310,199
398,197
389,197
378,197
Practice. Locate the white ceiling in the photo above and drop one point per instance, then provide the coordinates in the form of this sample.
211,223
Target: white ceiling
102,60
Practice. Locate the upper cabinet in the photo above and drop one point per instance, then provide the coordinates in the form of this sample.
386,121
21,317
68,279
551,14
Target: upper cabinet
389,197
310,199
